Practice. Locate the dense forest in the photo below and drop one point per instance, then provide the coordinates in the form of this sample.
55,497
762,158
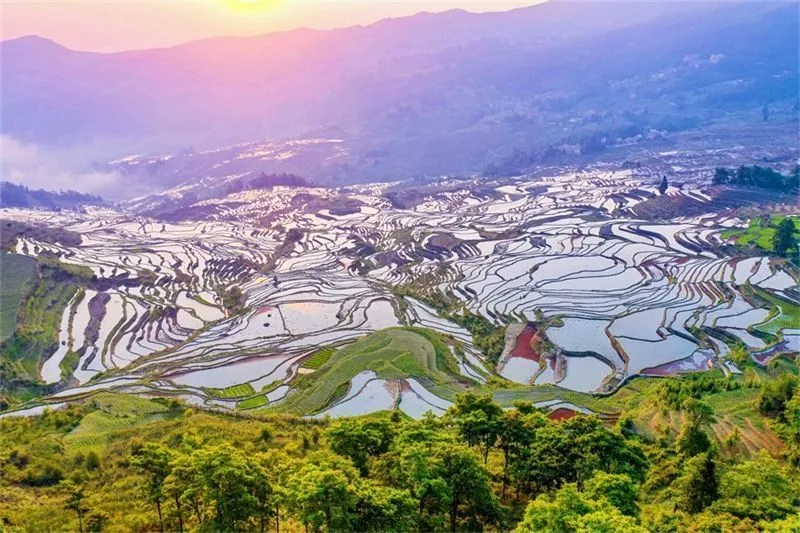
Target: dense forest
756,176
13,195
267,181
124,463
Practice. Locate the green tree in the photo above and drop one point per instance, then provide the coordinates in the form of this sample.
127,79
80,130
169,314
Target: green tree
791,414
712,521
572,451
184,486
92,461
361,439
606,520
477,418
278,467
791,523
697,487
572,511
154,460
228,479
593,447
775,395
555,514
383,509
760,489
693,439
516,432
264,496
468,487
76,496
664,185
414,466
323,492
618,490
784,239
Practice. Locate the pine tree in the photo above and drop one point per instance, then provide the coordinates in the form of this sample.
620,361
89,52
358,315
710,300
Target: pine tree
784,240
698,486
662,188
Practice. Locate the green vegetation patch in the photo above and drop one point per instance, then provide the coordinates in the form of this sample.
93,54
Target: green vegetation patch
391,353
234,391
253,402
17,275
486,336
69,364
788,314
112,416
39,320
760,232
319,358
699,452
10,230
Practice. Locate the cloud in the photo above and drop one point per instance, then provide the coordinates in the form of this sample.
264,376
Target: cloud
53,168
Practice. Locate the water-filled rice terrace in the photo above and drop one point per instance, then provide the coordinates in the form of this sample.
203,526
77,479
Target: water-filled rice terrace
585,296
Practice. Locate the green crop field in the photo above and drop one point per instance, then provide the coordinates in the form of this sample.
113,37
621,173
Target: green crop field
41,317
234,391
788,314
115,414
261,399
390,353
17,274
253,402
759,233
319,358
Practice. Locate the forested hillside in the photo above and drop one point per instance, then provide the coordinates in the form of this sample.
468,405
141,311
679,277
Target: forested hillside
13,195
675,460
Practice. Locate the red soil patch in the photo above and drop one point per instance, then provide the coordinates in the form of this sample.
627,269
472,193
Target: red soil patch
561,413
523,345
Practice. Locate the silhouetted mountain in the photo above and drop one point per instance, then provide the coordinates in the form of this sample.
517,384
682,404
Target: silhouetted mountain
446,92
13,195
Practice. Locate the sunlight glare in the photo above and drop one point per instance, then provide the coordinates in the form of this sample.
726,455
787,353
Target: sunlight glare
245,6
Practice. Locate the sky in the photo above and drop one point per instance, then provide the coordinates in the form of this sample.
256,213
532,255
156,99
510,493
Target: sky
113,25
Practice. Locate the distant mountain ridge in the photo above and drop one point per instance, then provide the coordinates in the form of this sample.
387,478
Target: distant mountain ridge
427,94
13,195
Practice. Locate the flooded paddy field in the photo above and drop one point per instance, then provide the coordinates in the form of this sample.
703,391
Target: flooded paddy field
225,310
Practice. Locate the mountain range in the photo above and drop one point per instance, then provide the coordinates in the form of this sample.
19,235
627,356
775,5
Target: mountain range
450,92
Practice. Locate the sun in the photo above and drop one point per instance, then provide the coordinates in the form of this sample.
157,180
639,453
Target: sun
244,6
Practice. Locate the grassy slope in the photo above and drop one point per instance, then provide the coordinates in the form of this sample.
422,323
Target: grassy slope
234,391
739,427
17,273
759,233
41,317
319,358
787,317
115,415
391,353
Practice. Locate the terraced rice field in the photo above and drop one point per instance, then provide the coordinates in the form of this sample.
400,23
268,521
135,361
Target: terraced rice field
319,358
599,297
759,232
393,354
97,428
16,274
234,391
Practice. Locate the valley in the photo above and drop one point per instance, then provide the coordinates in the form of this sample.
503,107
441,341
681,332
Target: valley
342,266
546,286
